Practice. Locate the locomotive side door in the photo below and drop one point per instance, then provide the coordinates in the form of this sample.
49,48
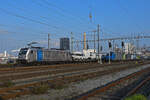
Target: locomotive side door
39,55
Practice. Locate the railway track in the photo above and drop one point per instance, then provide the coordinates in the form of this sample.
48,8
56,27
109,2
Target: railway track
26,88
112,90
52,67
80,72
63,77
17,74
42,67
55,72
142,86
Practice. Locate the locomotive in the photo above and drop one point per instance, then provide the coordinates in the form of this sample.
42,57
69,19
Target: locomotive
41,55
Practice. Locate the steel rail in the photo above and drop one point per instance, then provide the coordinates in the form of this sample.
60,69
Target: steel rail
7,93
134,90
98,90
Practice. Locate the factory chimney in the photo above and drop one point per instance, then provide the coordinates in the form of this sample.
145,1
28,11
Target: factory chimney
84,41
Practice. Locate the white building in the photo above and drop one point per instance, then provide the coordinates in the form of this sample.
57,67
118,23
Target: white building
129,48
5,58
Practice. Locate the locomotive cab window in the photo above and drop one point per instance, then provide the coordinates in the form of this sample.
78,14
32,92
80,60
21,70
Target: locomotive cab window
31,51
90,53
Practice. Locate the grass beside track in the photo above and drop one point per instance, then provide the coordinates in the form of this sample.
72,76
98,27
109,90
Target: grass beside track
136,97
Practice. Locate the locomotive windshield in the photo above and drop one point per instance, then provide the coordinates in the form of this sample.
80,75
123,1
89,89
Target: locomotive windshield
78,54
23,51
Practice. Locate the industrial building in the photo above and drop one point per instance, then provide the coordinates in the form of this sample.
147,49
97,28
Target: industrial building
64,44
7,58
129,48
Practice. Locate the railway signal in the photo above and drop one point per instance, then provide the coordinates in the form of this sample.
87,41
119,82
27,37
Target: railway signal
101,48
48,41
109,44
122,44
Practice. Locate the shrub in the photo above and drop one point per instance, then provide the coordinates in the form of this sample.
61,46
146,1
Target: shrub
136,97
40,89
57,85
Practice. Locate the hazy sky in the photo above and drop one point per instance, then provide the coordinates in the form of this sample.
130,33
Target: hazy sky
23,21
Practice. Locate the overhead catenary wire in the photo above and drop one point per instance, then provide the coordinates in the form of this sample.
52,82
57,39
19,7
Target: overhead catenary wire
33,32
64,11
27,11
60,11
128,14
42,17
16,32
26,18
5,32
20,27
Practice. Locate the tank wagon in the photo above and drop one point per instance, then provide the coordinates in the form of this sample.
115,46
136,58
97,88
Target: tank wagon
41,55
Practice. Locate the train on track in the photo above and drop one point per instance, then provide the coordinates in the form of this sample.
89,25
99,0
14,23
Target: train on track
50,56
41,55
47,56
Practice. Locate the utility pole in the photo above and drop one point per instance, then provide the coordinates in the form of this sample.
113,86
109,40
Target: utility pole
85,44
48,41
71,42
98,34
137,45
138,41
113,45
77,46
94,41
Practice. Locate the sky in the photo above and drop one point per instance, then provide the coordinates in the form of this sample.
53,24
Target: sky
24,21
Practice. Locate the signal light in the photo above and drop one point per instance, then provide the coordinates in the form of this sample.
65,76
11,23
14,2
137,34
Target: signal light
122,44
109,44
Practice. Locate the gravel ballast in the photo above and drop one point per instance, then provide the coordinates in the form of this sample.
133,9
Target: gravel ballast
78,88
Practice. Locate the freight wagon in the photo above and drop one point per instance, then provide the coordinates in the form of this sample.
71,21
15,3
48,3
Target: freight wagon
112,56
